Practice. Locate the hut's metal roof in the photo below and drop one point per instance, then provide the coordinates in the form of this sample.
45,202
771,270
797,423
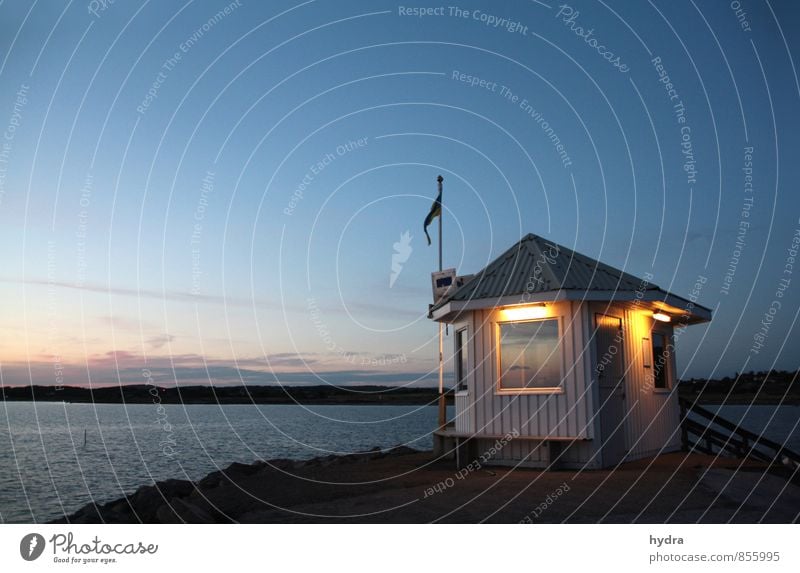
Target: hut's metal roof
537,265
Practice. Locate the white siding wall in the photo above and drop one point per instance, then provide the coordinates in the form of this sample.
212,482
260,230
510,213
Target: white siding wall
653,425
463,409
558,415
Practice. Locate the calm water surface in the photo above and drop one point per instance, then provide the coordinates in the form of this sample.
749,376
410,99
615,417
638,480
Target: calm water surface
47,471
780,424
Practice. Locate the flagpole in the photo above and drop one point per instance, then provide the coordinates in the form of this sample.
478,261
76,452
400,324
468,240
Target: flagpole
441,216
442,404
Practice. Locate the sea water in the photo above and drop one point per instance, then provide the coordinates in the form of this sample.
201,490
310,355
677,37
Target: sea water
57,457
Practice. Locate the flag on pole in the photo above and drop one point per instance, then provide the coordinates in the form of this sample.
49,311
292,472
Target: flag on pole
436,211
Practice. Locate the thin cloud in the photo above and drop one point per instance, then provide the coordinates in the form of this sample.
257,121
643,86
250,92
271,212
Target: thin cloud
156,342
231,301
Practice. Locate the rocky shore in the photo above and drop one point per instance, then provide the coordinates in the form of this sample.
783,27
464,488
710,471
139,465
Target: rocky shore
402,485
220,497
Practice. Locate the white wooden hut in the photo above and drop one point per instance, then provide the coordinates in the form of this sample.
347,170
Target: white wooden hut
560,359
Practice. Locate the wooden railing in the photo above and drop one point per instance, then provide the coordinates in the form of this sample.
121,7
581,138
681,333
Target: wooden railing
716,434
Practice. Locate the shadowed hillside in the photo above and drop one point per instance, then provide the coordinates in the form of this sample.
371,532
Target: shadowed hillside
145,394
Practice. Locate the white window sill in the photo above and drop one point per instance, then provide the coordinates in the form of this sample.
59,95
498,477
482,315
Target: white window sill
527,391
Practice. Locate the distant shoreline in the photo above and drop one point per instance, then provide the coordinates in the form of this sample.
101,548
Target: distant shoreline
315,395
188,395
742,400
764,388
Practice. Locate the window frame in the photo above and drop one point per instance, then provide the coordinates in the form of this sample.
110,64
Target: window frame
498,386
668,366
461,378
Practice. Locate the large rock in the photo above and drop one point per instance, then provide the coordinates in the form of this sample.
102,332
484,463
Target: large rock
178,510
218,497
146,501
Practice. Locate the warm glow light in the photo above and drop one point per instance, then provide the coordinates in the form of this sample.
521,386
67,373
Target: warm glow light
524,312
662,317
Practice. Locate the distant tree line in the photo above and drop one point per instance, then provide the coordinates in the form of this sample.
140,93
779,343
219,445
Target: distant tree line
148,394
769,386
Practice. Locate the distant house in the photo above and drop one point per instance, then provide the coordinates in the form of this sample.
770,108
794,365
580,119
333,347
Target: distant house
574,356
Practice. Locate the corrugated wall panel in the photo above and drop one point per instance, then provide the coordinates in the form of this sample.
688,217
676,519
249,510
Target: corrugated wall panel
575,366
488,369
561,415
505,418
653,424
480,373
592,393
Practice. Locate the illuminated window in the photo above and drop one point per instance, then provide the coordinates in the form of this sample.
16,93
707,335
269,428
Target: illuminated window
661,368
530,354
462,355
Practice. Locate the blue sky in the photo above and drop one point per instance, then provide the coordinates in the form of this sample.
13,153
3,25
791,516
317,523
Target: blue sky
319,129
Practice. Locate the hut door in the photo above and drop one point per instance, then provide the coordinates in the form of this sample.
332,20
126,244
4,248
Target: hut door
610,370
